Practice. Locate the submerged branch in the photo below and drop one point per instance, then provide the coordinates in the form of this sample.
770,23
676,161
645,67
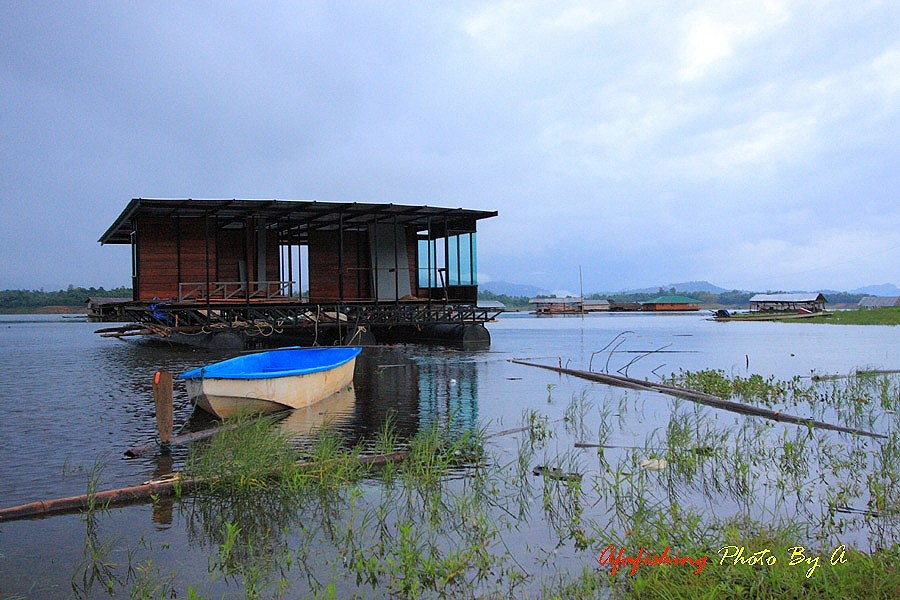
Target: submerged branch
701,398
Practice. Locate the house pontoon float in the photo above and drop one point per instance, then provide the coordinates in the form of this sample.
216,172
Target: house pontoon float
229,273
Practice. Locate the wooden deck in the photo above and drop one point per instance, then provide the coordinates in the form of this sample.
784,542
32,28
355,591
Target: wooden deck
329,323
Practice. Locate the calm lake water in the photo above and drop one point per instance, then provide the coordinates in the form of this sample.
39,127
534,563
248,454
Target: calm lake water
73,402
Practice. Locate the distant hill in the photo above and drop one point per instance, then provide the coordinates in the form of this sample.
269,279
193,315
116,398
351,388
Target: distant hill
686,287
698,286
506,288
885,289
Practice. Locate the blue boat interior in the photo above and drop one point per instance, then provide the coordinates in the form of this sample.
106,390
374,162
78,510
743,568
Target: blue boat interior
284,362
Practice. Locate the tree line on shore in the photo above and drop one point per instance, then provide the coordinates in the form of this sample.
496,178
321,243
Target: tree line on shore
75,297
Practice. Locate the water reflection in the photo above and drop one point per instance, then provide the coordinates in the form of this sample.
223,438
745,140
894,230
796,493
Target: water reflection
163,506
414,391
244,532
335,411
448,394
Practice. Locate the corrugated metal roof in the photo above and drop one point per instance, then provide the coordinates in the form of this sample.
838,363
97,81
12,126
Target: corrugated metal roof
296,215
566,300
801,297
490,304
879,301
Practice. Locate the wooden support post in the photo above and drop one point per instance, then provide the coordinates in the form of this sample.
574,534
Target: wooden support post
162,395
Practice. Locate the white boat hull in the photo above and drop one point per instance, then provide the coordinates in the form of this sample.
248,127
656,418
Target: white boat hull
225,398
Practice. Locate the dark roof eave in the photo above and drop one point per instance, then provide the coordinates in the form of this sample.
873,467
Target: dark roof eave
120,221
292,211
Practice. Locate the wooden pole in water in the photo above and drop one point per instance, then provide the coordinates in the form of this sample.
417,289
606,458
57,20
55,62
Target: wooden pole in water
162,395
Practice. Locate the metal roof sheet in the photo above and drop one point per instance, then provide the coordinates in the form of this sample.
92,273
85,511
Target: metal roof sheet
798,297
879,301
299,215
566,300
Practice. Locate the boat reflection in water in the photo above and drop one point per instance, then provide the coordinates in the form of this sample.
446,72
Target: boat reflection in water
410,391
335,411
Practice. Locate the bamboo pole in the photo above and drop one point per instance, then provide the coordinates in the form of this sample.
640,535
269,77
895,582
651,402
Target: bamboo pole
169,486
147,491
701,398
104,499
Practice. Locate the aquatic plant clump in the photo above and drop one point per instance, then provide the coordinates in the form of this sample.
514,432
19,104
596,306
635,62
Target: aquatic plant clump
754,388
246,453
700,506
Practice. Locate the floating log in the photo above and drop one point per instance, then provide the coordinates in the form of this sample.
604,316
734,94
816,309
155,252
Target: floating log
145,492
163,488
863,373
700,398
104,499
135,451
120,328
122,334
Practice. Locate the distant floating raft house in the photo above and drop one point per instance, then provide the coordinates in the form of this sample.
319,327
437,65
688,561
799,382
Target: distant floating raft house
799,302
596,305
207,271
617,306
879,302
671,303
568,305
98,306
492,304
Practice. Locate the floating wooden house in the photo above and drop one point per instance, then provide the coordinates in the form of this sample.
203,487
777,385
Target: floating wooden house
325,272
568,305
671,303
596,305
879,302
804,302
623,306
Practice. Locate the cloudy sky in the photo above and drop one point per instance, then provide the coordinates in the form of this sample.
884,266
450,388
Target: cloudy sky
752,144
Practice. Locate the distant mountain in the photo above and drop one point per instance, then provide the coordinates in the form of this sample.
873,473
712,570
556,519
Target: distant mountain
513,289
885,289
697,286
684,287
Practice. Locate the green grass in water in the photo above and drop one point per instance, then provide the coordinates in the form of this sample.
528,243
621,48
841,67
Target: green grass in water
247,453
862,316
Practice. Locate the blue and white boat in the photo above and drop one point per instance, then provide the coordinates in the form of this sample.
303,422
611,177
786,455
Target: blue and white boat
271,381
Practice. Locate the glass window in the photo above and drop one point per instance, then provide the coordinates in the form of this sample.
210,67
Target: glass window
447,261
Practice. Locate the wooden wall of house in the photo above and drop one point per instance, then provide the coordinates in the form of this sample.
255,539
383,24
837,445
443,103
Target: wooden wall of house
671,306
325,266
167,247
158,248
226,262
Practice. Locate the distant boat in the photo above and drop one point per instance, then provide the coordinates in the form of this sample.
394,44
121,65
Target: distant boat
724,315
271,381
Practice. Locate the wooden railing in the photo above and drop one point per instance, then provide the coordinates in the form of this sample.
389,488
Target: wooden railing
228,290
